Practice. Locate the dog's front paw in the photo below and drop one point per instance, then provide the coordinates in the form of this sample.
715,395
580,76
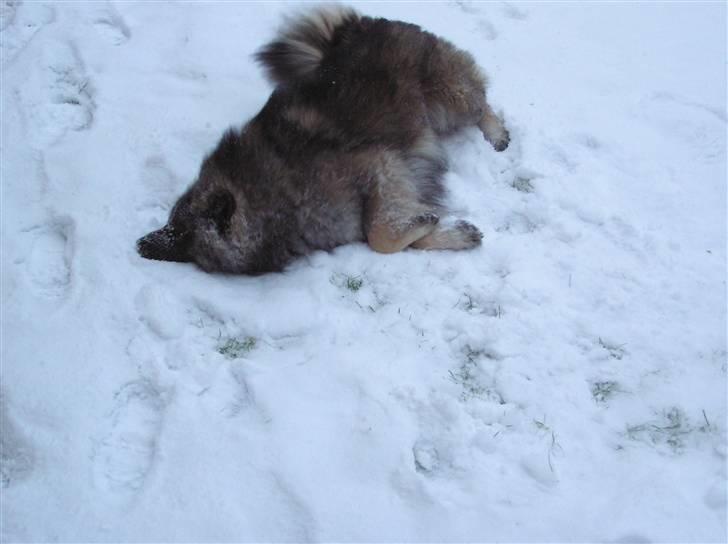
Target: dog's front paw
494,131
499,138
502,143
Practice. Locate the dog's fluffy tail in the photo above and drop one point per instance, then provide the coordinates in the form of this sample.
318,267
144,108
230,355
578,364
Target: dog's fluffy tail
302,44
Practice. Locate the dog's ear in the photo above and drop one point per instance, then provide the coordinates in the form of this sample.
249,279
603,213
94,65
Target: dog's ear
220,209
165,244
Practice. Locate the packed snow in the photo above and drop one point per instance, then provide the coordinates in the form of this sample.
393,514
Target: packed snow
564,382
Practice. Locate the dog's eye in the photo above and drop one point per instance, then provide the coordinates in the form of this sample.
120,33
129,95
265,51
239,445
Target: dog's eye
220,209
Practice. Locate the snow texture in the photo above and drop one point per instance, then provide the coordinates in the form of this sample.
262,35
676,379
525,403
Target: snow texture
564,382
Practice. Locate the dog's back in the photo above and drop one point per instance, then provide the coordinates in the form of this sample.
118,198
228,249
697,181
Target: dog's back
376,80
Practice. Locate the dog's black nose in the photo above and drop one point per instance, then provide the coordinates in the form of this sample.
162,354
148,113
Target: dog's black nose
149,247
164,245
145,247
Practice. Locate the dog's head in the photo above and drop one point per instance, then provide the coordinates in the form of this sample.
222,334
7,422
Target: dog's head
209,225
205,227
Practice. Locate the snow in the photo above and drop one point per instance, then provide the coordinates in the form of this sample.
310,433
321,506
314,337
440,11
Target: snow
564,382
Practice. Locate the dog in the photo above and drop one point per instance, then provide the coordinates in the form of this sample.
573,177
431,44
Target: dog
346,149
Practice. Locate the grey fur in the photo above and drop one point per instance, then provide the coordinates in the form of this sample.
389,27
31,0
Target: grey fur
346,149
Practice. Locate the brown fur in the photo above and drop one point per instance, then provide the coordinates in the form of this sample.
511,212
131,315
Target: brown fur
346,149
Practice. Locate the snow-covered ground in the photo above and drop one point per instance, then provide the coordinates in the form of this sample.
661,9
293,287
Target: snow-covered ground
564,382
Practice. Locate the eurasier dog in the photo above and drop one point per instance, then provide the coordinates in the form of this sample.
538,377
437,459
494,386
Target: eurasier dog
347,148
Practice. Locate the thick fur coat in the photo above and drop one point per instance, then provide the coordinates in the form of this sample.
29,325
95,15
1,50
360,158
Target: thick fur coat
347,149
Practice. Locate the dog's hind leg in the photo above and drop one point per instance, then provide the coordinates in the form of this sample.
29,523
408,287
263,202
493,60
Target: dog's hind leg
394,220
404,205
391,230
455,95
390,235
395,215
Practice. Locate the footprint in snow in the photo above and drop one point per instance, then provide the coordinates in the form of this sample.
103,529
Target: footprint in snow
111,25
538,468
161,311
239,393
295,522
19,23
715,496
519,223
8,11
482,26
16,456
699,127
589,142
49,262
188,74
57,95
486,29
125,456
560,157
426,457
513,12
161,187
466,6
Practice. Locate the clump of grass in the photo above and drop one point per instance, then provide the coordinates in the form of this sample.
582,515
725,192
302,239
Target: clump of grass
672,429
354,283
234,348
466,376
522,184
347,281
360,290
602,391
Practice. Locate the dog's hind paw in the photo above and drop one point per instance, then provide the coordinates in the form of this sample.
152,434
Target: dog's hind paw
461,235
469,234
